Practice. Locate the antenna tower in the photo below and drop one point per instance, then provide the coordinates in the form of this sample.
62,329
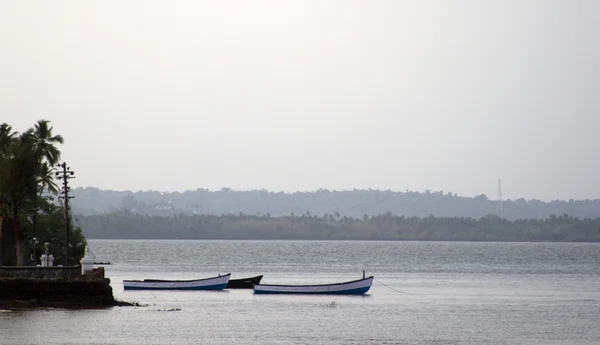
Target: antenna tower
499,197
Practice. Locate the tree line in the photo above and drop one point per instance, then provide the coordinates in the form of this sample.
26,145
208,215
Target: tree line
124,224
351,203
28,196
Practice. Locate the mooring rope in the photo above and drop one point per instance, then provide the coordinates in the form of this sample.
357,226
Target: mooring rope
87,247
391,288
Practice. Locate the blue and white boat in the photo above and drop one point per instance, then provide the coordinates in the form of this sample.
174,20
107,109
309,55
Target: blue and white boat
355,287
214,283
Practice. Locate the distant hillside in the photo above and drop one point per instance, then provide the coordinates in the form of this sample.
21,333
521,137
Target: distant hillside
354,203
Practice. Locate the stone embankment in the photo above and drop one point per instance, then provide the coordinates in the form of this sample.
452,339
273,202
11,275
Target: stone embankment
61,287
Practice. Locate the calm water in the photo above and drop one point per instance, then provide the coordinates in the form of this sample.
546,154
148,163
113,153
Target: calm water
424,293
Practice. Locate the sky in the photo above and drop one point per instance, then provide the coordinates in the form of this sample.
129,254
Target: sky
301,95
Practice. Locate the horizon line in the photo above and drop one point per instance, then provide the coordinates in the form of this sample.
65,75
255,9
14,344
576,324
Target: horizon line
320,190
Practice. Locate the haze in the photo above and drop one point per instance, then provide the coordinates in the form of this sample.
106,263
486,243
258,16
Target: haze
301,95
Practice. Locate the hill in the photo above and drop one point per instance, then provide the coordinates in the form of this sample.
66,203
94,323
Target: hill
353,203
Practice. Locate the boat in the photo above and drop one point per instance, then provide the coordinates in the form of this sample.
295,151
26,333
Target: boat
214,283
355,287
244,283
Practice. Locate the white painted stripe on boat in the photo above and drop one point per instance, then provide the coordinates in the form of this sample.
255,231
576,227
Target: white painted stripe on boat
183,284
315,288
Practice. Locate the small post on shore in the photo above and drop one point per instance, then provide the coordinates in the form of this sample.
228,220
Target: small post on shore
47,249
35,241
363,274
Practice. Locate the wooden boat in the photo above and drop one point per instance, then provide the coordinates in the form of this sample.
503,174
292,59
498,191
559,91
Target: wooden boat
214,283
355,287
244,283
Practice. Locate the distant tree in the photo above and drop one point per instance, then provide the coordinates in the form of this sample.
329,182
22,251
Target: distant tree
354,203
379,227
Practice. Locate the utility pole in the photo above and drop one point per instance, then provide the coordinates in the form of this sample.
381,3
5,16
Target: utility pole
66,174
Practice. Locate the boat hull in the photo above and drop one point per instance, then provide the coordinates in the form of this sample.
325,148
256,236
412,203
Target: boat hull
214,283
244,283
356,287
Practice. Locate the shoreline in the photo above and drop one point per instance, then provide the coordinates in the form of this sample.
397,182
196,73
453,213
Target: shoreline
82,292
33,304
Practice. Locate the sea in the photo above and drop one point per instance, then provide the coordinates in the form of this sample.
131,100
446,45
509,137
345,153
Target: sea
435,293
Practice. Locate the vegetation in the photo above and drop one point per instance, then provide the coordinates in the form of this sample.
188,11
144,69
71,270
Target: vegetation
124,224
28,192
353,203
28,204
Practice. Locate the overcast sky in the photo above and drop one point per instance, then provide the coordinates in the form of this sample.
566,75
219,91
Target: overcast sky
301,95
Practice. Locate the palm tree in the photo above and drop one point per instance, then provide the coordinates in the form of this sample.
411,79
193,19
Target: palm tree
45,179
45,142
18,176
26,162
7,140
7,135
45,147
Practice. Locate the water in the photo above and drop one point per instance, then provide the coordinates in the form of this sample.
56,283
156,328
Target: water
434,293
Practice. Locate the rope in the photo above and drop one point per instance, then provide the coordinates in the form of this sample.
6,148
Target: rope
87,247
391,288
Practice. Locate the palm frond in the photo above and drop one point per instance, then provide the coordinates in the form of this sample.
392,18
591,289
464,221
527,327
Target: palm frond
46,179
45,141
